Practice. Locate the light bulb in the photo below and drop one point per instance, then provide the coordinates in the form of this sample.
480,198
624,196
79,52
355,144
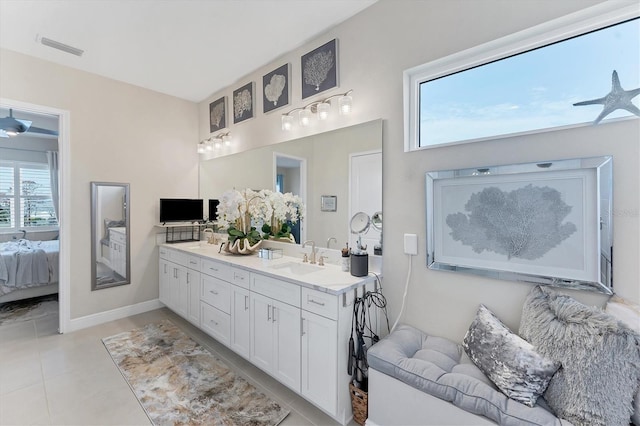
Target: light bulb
209,146
344,104
226,139
287,122
323,110
304,117
201,148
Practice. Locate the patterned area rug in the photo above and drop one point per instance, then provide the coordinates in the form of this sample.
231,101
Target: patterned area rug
28,309
178,382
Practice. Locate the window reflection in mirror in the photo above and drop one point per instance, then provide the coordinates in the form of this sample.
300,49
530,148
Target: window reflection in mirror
110,247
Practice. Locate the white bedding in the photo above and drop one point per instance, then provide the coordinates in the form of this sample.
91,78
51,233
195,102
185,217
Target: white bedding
26,263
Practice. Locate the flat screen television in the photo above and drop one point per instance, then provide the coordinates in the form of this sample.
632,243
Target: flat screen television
213,209
181,210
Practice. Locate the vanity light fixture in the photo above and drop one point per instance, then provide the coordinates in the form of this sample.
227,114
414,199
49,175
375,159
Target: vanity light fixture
214,142
321,108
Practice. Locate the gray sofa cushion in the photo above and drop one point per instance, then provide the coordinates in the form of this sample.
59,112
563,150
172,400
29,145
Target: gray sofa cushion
509,361
600,358
441,368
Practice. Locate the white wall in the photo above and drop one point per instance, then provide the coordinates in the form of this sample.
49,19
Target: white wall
119,133
375,47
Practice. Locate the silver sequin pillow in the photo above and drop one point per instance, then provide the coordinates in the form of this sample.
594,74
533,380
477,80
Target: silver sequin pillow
508,360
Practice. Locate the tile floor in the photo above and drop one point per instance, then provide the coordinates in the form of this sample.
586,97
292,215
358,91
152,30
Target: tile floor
51,379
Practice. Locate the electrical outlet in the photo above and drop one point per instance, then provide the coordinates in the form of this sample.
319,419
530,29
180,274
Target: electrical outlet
411,244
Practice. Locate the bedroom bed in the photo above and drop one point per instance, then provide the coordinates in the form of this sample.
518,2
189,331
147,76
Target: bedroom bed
28,269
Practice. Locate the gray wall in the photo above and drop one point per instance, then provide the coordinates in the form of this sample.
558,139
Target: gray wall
376,46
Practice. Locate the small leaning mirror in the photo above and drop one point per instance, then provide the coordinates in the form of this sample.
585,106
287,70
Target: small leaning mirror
110,246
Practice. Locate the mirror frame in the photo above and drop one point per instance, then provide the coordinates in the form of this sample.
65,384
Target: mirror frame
449,192
95,237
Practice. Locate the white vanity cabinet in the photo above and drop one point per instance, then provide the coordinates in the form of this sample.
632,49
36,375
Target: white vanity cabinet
118,250
224,304
180,283
275,328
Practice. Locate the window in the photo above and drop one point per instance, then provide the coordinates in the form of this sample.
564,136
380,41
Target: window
25,197
527,82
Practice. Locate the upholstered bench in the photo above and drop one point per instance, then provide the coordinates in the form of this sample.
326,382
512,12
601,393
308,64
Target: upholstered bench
421,373
570,363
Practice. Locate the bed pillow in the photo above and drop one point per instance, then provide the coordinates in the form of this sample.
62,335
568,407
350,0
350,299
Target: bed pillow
509,361
600,358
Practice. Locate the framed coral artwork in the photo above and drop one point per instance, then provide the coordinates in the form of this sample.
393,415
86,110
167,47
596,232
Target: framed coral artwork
320,69
546,222
218,114
243,103
275,88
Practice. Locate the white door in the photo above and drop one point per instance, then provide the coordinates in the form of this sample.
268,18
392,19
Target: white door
240,321
319,368
365,193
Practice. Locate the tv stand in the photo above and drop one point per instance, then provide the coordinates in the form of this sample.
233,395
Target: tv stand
181,232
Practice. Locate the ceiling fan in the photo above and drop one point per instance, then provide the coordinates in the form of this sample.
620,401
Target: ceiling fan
10,126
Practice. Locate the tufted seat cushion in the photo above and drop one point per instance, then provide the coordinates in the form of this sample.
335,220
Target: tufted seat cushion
440,367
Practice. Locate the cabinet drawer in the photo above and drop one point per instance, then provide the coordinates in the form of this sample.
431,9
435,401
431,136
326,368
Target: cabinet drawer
217,269
216,293
165,253
184,259
276,289
118,237
241,278
215,323
320,303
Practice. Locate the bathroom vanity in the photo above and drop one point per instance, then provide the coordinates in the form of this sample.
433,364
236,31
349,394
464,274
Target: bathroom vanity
289,318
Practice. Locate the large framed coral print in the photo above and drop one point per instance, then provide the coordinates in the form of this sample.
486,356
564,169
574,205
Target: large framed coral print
546,222
320,69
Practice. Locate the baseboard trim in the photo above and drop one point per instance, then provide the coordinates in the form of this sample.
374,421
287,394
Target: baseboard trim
114,314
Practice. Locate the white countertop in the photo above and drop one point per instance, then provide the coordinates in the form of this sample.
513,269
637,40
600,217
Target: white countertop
328,278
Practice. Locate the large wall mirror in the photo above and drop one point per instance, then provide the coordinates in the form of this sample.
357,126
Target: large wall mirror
315,167
110,247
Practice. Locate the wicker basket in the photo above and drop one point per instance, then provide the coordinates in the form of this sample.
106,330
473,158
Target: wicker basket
359,403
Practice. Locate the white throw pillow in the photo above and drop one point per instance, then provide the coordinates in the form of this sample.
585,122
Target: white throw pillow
629,314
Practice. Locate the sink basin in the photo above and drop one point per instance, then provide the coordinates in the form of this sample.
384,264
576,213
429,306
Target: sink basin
298,268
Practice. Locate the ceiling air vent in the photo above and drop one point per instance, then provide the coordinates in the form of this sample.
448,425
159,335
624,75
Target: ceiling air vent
61,46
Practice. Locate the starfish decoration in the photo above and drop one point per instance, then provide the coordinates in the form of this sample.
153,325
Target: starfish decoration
616,99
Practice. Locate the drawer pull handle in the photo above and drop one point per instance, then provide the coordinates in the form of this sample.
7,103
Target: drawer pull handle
214,269
317,303
193,263
268,312
239,277
246,305
214,323
213,292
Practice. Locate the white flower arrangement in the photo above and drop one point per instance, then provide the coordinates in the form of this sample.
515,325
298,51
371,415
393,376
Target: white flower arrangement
243,212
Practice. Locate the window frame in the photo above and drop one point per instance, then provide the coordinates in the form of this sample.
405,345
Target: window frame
572,25
18,197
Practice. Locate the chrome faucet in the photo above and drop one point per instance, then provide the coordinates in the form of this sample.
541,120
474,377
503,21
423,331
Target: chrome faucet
331,239
312,259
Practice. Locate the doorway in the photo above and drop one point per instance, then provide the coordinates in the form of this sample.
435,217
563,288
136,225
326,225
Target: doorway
290,175
63,208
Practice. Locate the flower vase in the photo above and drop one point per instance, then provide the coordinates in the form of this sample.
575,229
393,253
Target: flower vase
242,246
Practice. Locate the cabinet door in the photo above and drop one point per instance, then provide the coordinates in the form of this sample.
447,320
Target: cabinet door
319,362
164,275
286,324
181,305
240,321
261,346
193,284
